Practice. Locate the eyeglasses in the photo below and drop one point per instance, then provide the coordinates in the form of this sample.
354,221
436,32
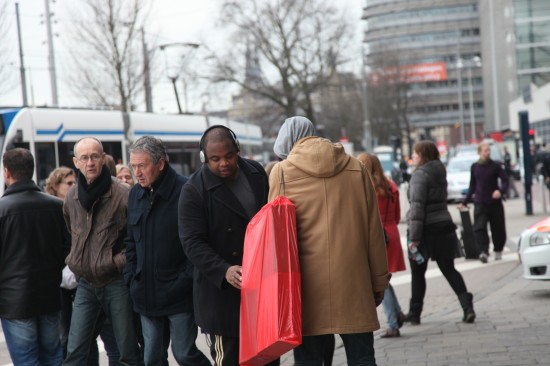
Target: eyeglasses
85,158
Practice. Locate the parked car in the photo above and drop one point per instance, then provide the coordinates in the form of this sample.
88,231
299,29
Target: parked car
386,155
458,176
534,251
471,149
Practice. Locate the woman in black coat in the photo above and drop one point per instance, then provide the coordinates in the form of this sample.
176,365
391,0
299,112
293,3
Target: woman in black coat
431,231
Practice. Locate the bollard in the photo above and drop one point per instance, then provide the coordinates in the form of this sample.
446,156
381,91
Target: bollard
542,192
527,161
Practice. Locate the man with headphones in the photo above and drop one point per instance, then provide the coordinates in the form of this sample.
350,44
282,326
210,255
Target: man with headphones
215,207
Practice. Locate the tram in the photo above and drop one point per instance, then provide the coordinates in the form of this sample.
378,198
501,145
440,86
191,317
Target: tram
50,134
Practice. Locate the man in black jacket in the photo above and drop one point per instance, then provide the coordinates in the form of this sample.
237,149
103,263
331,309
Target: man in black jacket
215,207
157,271
32,233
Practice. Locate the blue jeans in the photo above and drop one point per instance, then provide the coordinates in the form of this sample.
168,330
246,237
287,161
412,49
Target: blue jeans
359,349
183,332
391,307
34,341
114,300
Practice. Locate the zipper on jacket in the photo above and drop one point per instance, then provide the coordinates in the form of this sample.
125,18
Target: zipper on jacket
151,197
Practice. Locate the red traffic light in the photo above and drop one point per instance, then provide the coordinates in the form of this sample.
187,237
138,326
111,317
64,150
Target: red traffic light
531,132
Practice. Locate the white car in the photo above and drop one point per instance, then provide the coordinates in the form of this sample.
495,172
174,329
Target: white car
534,251
458,176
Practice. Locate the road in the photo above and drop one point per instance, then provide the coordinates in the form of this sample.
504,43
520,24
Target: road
484,280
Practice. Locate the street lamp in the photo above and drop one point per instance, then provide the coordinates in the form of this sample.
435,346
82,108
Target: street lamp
474,62
468,64
174,59
459,66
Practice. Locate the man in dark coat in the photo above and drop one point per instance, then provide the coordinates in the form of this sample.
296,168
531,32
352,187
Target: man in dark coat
157,271
32,234
215,207
488,185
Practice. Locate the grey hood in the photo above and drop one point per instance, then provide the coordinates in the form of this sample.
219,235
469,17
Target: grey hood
294,129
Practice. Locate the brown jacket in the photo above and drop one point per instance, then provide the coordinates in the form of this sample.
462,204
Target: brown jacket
340,238
97,236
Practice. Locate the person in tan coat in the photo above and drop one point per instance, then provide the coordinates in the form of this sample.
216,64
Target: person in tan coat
340,241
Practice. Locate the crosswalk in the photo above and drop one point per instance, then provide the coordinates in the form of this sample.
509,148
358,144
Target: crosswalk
461,264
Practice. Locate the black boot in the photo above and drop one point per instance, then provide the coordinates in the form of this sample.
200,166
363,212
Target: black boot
413,316
466,301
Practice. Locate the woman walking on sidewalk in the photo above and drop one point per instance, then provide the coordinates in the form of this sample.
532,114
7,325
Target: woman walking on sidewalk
431,231
390,213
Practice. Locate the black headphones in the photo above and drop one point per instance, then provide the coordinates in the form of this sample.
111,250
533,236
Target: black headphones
202,155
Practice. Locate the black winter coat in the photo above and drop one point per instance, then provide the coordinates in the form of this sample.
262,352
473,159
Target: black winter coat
32,235
428,198
158,273
212,225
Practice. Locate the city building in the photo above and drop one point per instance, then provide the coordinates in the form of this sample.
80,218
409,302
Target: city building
436,47
487,51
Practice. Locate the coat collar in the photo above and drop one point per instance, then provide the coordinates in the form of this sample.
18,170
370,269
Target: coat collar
26,185
212,181
165,186
222,193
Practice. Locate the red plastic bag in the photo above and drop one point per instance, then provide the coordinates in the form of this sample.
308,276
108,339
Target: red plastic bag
271,300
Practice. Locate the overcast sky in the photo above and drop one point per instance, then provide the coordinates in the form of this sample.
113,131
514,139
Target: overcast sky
170,21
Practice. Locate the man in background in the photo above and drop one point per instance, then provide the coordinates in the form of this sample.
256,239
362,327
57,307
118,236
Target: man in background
32,235
487,195
510,174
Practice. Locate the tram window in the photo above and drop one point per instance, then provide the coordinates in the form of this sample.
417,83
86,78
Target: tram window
181,156
65,150
45,161
113,148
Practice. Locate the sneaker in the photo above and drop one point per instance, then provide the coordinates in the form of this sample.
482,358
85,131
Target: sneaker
391,333
498,256
483,257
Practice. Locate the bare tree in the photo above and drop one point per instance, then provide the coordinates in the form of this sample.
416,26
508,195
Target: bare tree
6,75
340,109
388,98
107,52
300,44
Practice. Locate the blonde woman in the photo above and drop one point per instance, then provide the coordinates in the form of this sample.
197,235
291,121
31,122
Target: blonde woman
390,214
59,181
124,174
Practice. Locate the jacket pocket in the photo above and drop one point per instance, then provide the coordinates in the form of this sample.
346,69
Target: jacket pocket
166,275
134,227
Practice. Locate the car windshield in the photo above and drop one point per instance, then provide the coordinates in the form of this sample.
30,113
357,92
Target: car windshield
386,161
460,165
464,150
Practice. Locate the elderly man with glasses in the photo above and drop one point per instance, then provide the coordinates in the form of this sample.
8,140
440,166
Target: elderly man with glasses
95,213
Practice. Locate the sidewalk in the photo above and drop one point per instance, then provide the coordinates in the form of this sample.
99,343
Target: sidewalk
512,328
513,315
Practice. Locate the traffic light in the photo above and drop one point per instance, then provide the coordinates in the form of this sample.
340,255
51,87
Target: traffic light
395,141
531,134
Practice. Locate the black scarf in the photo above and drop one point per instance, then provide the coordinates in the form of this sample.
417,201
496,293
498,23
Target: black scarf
89,193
